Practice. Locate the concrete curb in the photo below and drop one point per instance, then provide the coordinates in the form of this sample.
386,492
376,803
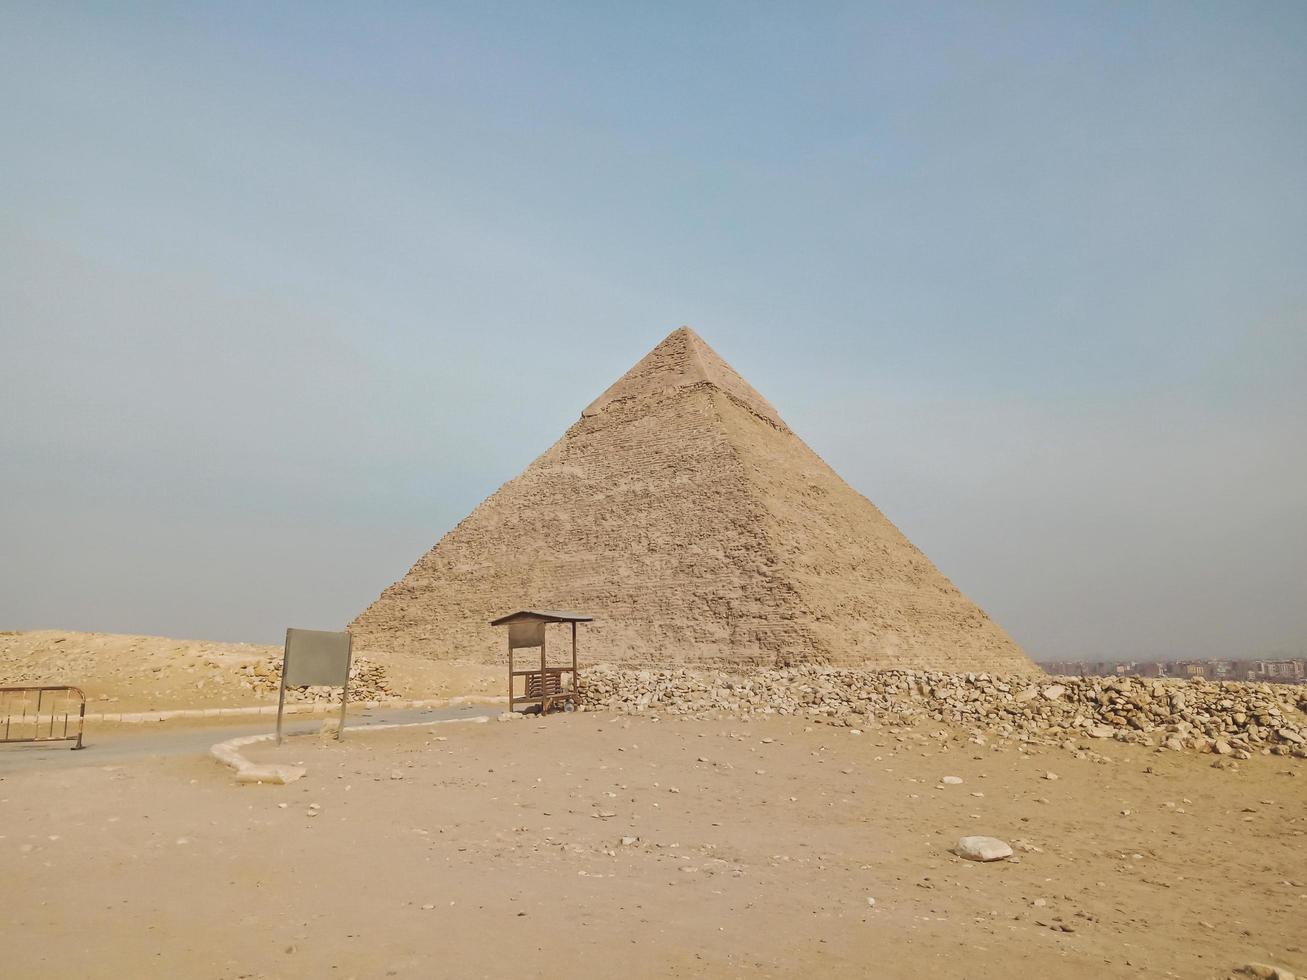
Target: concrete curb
229,752
298,708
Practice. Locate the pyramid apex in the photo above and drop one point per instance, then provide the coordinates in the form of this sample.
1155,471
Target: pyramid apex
683,360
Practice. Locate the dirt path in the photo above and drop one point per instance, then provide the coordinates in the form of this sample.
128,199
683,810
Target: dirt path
117,744
497,850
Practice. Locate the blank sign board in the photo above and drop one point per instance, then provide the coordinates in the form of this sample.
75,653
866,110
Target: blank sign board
527,634
316,658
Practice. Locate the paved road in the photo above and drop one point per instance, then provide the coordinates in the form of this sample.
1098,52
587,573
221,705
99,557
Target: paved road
118,744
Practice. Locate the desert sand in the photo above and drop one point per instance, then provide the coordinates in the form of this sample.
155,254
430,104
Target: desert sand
600,845
124,672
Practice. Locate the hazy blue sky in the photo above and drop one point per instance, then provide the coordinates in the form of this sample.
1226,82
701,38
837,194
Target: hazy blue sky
286,290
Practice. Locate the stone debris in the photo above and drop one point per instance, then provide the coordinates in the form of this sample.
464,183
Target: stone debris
273,774
982,849
367,681
1265,972
952,780
1228,718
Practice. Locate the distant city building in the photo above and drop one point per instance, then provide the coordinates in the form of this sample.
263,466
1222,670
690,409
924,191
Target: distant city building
1291,671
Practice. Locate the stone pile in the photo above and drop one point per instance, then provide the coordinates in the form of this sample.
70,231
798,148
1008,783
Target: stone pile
367,682
1226,718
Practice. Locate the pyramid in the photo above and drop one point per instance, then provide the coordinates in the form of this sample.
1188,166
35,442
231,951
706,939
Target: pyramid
684,515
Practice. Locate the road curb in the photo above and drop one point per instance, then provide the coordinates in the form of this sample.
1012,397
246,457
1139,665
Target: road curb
315,708
229,752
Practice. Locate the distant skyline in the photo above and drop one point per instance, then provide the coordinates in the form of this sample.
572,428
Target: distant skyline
287,290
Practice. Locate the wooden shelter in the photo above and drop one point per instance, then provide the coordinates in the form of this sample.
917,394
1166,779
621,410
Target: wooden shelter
543,686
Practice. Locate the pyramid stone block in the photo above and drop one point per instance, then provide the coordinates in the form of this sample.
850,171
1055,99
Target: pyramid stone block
683,514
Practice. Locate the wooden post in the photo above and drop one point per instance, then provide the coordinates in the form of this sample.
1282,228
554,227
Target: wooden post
576,686
544,687
510,670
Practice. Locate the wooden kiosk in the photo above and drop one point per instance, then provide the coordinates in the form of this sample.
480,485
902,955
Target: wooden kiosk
543,686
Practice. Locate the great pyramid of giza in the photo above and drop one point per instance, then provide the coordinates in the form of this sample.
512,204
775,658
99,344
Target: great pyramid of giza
684,515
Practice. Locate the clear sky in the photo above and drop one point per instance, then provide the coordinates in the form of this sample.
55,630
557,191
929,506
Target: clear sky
287,289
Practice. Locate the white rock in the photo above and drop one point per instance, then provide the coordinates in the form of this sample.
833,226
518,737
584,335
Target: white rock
952,780
272,774
1054,691
982,849
1267,972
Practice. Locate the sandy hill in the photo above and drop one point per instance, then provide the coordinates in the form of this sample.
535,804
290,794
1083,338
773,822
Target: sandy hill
684,514
144,673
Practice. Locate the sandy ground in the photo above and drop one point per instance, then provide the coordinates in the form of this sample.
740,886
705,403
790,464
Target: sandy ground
496,850
122,672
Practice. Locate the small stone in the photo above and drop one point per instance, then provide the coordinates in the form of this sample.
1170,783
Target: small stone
1266,972
871,902
1053,692
396,774
630,841
1050,775
952,780
428,907
982,849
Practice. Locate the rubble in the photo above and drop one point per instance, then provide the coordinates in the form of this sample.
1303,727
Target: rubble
1228,718
982,849
367,681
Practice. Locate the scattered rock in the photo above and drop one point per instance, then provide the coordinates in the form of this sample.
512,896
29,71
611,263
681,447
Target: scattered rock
982,849
1265,972
1192,714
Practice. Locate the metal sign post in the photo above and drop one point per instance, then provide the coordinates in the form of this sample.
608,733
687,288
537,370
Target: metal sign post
314,658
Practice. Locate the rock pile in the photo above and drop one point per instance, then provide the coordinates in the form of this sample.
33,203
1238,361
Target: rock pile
1225,718
367,682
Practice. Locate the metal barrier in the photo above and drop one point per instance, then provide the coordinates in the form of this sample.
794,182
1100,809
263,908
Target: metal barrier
30,714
